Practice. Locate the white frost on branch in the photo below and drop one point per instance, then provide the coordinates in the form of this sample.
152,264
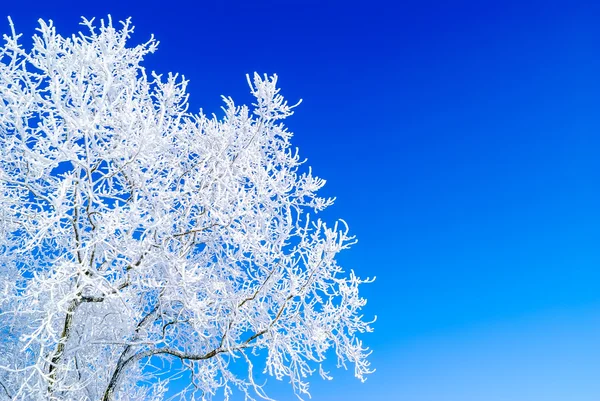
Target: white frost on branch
138,238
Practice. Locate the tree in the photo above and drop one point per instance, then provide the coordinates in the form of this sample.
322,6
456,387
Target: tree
139,239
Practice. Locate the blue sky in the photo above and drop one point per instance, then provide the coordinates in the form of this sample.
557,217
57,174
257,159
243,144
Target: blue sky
460,139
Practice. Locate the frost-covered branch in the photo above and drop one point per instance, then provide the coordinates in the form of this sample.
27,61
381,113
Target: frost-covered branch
135,233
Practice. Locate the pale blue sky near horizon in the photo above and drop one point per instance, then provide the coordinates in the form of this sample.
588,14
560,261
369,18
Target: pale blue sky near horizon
461,141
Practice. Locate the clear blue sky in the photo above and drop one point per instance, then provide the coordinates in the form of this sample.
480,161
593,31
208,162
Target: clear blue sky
461,140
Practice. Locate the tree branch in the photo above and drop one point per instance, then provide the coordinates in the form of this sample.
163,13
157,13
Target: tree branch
123,362
5,390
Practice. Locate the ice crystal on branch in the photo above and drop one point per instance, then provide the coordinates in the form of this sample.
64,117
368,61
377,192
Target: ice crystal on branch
138,237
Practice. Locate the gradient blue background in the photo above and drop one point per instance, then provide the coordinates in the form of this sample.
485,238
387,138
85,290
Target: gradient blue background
461,140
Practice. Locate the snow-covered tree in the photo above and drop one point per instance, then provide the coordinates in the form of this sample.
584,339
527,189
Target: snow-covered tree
140,241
